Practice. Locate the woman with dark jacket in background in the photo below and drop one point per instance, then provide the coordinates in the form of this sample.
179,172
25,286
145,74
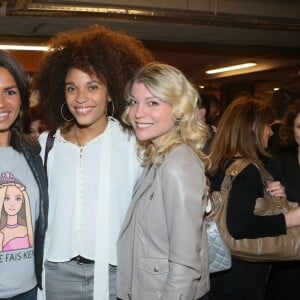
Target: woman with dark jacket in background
284,276
243,132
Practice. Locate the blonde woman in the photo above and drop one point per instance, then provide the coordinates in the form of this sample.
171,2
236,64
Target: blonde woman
162,247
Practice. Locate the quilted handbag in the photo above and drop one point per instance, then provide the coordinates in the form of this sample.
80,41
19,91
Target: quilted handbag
219,257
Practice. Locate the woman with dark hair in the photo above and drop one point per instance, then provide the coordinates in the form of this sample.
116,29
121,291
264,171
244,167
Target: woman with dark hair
23,189
209,111
92,166
37,125
243,132
283,278
279,103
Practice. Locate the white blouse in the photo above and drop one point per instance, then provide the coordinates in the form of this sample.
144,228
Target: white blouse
90,188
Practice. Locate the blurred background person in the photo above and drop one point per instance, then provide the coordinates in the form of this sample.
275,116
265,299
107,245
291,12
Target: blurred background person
285,167
37,125
209,108
209,111
243,132
279,103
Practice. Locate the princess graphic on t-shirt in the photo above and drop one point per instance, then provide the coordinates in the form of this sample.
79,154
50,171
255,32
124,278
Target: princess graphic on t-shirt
15,214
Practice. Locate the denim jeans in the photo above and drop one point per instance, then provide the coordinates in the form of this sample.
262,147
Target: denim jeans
73,281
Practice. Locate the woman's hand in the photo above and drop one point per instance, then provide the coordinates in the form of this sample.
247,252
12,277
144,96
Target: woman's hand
276,189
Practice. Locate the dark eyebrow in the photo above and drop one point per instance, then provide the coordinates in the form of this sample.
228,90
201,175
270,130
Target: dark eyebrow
95,81
10,87
89,82
66,83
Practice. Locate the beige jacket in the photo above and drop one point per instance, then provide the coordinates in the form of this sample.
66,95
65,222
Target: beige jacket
162,247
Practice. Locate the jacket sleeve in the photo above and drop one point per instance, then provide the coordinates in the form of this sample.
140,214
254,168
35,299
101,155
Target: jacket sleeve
183,188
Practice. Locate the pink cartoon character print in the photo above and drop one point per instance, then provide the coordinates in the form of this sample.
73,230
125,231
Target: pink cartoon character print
15,215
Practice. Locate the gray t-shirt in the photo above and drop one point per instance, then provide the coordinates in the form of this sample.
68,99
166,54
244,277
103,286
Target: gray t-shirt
19,209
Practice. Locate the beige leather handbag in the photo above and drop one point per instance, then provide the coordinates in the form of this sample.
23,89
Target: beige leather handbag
279,248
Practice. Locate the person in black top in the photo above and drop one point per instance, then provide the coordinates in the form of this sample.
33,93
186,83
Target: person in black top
284,276
209,110
279,103
243,131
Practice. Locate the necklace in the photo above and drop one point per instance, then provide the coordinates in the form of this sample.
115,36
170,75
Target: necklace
77,139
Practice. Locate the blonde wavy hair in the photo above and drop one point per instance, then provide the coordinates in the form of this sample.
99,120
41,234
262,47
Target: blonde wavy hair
168,84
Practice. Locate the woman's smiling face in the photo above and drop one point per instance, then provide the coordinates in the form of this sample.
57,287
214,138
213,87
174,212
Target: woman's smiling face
151,118
10,101
86,97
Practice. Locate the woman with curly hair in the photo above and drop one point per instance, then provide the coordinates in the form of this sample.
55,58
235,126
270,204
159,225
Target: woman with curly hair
92,165
162,247
283,278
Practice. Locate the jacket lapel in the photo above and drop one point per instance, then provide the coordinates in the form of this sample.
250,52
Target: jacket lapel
141,188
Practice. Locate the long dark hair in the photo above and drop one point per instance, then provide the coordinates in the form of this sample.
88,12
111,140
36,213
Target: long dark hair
21,125
287,131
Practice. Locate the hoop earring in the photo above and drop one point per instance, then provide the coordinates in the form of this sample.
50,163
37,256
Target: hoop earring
62,113
112,109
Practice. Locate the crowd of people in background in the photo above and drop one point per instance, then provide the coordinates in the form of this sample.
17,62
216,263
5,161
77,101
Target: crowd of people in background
127,150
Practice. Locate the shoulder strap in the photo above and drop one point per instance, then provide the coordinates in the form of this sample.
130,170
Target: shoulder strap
237,167
233,170
49,145
265,175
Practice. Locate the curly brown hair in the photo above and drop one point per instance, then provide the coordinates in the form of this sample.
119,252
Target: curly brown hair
112,56
287,131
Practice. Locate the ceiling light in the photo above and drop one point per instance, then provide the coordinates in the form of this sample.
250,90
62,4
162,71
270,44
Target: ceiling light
23,47
231,68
